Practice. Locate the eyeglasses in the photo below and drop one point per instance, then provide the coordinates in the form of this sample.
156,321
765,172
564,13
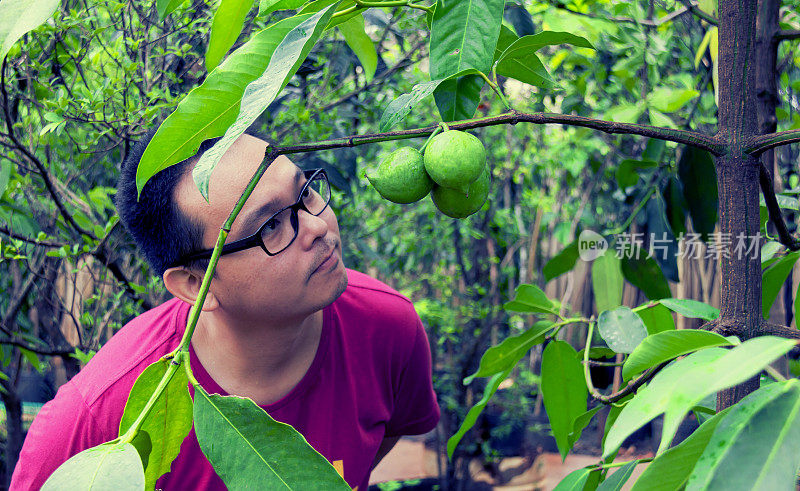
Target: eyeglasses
279,231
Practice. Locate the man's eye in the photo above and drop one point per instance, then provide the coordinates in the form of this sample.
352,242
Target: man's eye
271,225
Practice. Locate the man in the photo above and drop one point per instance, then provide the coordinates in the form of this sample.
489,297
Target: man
338,355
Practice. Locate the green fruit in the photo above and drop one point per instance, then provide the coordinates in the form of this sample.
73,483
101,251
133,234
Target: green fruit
455,159
401,177
455,204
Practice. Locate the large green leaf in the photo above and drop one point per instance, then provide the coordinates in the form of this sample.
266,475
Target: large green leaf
690,308
510,351
225,28
167,423
669,100
266,7
246,446
657,319
773,278
459,33
504,40
209,109
356,37
699,179
615,481
658,348
627,173
399,108
575,480
287,58
686,382
165,7
670,470
580,423
463,35
675,205
111,465
645,274
561,262
530,298
20,16
607,281
519,60
621,329
756,445
563,391
477,409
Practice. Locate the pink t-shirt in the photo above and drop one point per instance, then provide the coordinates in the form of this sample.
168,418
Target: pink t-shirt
370,379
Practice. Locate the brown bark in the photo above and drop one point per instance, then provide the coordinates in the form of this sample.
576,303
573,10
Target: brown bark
737,177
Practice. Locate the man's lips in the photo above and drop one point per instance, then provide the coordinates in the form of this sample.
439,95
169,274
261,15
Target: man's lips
325,260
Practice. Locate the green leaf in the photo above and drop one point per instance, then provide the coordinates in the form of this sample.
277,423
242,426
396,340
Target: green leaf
17,17
356,37
209,109
459,31
506,354
670,470
621,329
561,262
266,7
111,465
618,479
607,281
530,298
690,308
675,205
564,391
657,319
701,50
669,100
260,93
519,60
246,446
580,424
399,108
476,410
626,113
756,445
686,382
525,67
5,175
457,99
699,179
772,280
166,7
459,35
504,40
658,348
575,480
645,274
626,172
225,28
657,118
167,423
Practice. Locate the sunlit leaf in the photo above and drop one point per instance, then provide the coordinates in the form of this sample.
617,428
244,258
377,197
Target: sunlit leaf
510,351
225,28
20,16
564,391
621,329
690,308
607,281
111,465
658,348
361,44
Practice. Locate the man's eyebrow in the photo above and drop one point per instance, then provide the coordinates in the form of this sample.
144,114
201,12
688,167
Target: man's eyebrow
255,218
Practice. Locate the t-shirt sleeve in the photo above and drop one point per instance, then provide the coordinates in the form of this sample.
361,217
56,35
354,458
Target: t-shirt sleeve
415,408
63,427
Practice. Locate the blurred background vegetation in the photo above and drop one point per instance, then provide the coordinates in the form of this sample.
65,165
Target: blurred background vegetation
79,90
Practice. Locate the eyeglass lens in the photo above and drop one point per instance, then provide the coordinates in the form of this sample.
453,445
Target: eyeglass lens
279,231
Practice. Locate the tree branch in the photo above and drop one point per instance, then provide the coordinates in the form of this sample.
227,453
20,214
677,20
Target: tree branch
713,144
632,386
32,158
768,328
43,243
762,143
629,20
787,34
692,6
775,214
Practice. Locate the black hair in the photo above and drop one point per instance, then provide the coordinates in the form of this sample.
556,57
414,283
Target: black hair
163,233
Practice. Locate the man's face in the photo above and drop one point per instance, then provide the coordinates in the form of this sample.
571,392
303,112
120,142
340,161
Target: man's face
249,284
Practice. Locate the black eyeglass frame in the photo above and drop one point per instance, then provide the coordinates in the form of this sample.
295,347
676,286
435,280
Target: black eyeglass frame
254,240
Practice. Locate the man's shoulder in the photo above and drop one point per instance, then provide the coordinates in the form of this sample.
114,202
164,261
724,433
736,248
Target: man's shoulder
142,341
362,285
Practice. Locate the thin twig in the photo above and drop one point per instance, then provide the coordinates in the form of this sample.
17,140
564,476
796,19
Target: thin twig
787,34
775,214
762,143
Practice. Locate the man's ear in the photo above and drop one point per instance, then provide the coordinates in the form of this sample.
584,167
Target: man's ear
185,284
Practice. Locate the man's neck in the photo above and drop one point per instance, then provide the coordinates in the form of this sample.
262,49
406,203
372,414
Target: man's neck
261,362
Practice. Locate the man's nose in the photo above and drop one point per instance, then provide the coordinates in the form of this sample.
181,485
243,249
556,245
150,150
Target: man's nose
310,227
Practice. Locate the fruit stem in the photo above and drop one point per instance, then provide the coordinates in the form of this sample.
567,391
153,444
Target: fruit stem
393,3
435,132
444,126
496,90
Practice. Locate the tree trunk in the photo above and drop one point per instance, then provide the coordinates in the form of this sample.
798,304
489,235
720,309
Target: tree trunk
737,179
14,438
